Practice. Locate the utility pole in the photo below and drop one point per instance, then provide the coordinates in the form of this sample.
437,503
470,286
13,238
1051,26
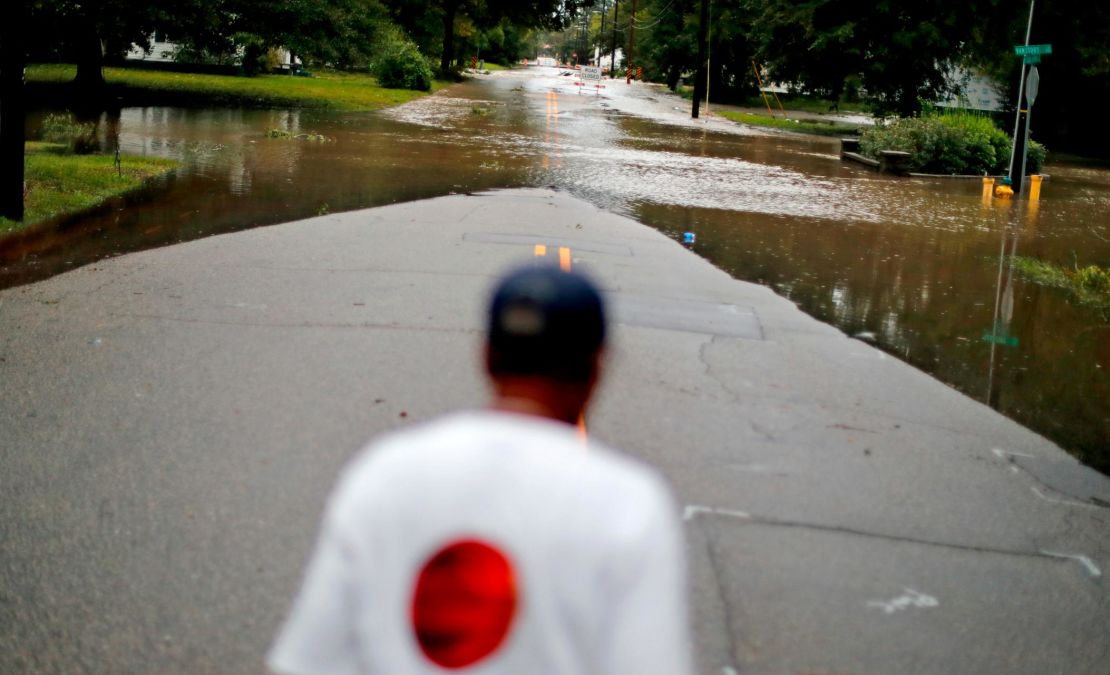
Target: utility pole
631,42
702,73
1016,173
601,32
613,54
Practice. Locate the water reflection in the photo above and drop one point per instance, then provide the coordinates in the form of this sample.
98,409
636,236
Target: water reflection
918,266
999,333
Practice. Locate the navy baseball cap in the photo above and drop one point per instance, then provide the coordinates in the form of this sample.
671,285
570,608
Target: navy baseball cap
544,321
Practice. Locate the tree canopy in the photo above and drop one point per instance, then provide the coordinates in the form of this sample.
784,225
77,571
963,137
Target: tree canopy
899,54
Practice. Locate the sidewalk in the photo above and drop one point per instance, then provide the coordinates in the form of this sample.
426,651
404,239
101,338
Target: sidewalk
173,420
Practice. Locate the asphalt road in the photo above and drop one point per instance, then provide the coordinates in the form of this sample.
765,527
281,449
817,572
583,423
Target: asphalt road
171,422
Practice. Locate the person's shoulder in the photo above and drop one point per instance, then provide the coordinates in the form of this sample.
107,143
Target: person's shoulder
381,464
628,477
402,446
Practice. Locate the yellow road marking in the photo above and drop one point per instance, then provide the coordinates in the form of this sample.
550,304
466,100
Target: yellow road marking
540,250
564,258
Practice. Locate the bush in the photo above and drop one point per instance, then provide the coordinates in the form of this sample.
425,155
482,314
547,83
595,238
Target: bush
949,143
1036,157
77,137
400,65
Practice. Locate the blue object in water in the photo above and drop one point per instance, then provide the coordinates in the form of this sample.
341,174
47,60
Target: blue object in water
688,238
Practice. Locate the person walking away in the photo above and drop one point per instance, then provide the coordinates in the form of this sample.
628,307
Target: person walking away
494,542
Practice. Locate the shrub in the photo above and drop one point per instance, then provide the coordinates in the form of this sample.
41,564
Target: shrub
1036,157
77,137
950,143
400,65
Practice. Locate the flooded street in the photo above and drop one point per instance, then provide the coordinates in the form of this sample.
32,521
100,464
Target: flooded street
919,267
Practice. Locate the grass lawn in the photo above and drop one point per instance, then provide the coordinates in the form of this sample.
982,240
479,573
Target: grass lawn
497,66
808,104
791,102
805,127
64,183
328,89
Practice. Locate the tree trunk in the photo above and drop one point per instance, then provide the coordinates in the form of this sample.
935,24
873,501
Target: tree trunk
449,10
12,61
90,63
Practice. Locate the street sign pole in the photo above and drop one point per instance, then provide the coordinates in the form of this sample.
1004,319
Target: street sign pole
1032,85
1017,172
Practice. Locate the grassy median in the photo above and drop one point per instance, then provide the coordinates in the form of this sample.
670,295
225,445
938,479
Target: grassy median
328,89
59,182
801,126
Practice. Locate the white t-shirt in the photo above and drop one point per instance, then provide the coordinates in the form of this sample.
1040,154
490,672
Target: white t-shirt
593,540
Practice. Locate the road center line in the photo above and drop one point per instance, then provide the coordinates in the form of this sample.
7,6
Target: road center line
564,258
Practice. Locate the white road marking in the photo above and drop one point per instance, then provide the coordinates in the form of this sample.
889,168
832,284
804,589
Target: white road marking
1083,560
910,598
1064,502
692,510
1003,454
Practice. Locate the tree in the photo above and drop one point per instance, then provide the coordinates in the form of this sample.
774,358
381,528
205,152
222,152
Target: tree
12,61
84,32
415,17
669,39
900,51
1073,78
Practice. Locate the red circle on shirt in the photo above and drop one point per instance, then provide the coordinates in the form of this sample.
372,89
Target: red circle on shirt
464,603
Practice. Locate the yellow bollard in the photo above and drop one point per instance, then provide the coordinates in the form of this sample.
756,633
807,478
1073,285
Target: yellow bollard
1034,188
988,189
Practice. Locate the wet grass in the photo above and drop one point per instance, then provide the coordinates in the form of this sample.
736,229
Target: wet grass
59,182
810,105
328,89
1088,285
791,102
800,126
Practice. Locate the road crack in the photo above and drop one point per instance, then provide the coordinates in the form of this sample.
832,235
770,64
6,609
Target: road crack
748,519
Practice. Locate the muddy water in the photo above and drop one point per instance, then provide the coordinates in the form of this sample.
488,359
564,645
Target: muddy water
913,265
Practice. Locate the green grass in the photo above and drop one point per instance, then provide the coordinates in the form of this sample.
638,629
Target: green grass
496,66
801,126
790,102
329,89
62,183
807,104
1089,285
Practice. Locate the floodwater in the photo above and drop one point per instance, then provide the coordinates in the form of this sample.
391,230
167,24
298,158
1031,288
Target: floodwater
918,267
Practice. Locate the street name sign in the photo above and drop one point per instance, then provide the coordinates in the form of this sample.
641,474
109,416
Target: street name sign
1032,53
1000,339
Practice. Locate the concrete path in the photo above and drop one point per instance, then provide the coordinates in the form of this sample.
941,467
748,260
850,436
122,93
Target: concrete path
171,421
